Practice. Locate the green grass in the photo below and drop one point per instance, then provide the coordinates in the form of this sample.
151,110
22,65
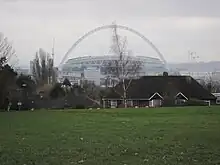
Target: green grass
118,137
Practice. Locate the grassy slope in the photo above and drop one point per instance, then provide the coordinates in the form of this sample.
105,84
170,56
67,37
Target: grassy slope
131,137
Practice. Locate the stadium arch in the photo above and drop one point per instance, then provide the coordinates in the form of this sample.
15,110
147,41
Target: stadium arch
160,55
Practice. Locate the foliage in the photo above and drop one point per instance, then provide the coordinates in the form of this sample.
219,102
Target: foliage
211,85
43,69
170,102
44,90
196,102
7,74
66,82
26,82
91,91
75,94
165,73
23,89
175,136
3,61
67,86
78,106
20,88
8,78
57,91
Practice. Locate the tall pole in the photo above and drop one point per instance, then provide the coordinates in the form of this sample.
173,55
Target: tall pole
52,65
53,50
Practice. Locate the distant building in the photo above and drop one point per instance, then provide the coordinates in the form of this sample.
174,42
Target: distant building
215,76
22,70
91,74
92,68
200,70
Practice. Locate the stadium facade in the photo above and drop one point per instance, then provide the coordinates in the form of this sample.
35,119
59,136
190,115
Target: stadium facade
91,68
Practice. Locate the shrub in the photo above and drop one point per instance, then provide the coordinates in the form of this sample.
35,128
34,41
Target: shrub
79,106
57,92
195,102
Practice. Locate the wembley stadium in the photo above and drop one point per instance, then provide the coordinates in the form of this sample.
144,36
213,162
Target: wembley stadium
92,68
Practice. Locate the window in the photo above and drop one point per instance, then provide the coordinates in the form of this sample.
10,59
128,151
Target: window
218,100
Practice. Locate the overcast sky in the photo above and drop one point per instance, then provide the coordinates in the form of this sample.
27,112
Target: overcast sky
174,26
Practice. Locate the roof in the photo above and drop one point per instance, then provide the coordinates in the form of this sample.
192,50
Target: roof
216,94
166,86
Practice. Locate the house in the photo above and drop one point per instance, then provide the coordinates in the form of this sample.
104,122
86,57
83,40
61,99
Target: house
154,91
217,95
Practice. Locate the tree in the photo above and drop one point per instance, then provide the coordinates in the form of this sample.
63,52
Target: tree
42,68
6,50
212,85
3,62
66,82
7,77
7,74
27,84
57,91
67,86
165,74
123,68
92,92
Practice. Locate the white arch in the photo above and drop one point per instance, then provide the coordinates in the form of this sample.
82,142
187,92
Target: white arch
120,27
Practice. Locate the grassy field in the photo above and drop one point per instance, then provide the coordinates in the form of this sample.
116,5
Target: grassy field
118,137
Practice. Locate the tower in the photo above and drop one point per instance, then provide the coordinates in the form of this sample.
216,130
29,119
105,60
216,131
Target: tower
51,78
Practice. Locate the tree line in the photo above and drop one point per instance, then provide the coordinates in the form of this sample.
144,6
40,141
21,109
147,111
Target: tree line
42,83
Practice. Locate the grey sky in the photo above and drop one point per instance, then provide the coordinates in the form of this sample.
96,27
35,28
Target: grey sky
174,26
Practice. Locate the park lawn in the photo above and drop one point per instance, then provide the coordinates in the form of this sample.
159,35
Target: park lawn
187,135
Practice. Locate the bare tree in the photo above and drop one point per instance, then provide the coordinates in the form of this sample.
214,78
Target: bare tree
92,92
124,68
7,74
6,50
42,68
211,84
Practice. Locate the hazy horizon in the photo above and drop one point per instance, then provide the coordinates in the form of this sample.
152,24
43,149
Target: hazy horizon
175,27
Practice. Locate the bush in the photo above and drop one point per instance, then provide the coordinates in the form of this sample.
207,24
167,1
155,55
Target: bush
26,105
168,102
80,106
195,102
57,92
